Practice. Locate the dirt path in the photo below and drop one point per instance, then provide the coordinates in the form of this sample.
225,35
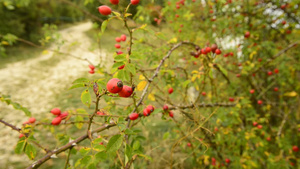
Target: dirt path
36,82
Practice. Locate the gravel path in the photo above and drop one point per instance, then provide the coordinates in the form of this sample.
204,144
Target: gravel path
35,85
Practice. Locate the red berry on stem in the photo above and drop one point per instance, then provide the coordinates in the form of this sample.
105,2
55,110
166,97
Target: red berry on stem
63,115
207,49
119,52
295,148
252,91
126,91
135,2
227,160
118,39
31,120
259,126
218,51
146,112
214,47
247,34
121,67
254,123
268,138
92,67
114,85
171,114
170,90
117,46
55,111
150,108
270,73
203,93
276,71
115,2
259,102
133,116
123,38
104,10
165,108
189,144
21,135
91,72
275,89
56,121
100,113
231,99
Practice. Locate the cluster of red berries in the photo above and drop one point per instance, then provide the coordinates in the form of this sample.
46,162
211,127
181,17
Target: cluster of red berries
106,10
205,51
59,116
115,85
92,67
31,120
166,109
255,124
120,39
213,162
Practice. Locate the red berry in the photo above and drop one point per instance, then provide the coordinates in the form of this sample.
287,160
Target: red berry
247,34
171,114
101,143
26,122
119,52
207,49
283,22
100,113
55,111
189,144
117,46
146,112
123,38
259,126
133,116
231,99
114,85
170,90
216,129
56,121
275,89
203,51
218,51
214,47
231,53
238,75
118,39
268,138
252,91
226,55
63,115
150,108
121,67
126,91
177,16
259,102
31,120
115,2
165,107
104,10
270,73
135,2
276,71
91,72
227,160
92,67
295,148
203,93
21,135
254,123
259,59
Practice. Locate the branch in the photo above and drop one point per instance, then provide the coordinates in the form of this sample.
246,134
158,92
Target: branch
203,105
10,125
67,146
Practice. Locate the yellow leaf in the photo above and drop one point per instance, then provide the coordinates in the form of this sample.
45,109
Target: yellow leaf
173,40
4,43
142,77
268,107
193,78
195,72
151,97
45,52
141,85
290,94
206,160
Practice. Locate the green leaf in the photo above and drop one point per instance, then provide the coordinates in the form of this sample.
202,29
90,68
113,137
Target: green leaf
129,132
85,160
101,156
81,80
136,145
77,119
120,58
97,141
121,74
84,151
20,146
156,111
166,135
77,86
114,143
92,166
99,147
126,76
135,56
30,151
81,111
131,68
104,25
86,98
145,156
128,153
223,70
